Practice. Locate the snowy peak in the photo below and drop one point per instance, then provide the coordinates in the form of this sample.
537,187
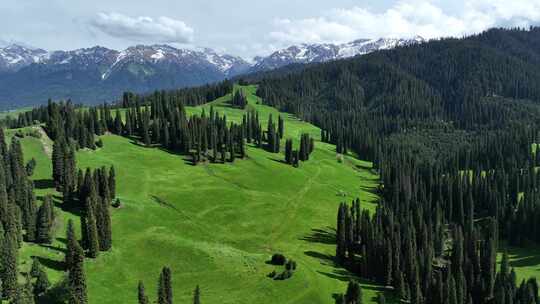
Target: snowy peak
308,53
14,57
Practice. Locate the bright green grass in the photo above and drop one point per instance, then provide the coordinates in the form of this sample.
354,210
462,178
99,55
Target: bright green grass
219,223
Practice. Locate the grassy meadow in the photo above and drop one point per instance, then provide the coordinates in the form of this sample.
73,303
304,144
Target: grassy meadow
215,225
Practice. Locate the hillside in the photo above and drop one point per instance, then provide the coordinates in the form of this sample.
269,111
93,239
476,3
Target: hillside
215,225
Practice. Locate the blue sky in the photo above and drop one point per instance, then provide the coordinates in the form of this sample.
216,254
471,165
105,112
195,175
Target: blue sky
249,28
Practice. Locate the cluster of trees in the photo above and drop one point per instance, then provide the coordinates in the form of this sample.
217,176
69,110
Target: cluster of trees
95,193
205,137
20,217
280,259
165,291
239,100
274,134
293,157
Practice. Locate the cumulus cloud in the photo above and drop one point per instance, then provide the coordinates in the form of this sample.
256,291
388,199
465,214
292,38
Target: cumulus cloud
144,29
407,18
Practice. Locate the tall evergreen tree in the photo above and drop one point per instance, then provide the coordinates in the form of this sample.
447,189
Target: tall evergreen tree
143,299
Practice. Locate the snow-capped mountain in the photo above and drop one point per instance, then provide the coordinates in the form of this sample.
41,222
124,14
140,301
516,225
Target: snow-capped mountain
14,57
29,76
98,74
310,53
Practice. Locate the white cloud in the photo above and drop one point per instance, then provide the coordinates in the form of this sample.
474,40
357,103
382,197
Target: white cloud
143,29
407,18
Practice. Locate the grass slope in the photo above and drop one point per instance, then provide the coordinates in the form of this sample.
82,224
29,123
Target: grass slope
215,225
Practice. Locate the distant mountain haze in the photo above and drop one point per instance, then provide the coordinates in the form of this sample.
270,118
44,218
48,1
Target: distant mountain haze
29,76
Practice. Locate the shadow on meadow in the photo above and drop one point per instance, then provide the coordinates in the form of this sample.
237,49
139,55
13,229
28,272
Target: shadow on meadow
322,236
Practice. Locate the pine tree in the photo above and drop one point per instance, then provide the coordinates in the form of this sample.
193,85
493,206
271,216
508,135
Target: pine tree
197,295
354,293
105,226
9,264
71,244
165,287
289,151
89,225
112,182
143,299
42,283
281,128
45,221
23,294
76,275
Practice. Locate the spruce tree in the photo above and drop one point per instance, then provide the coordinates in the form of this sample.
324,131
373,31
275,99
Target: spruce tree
42,283
76,275
45,221
143,299
9,264
90,226
112,182
70,245
197,295
165,287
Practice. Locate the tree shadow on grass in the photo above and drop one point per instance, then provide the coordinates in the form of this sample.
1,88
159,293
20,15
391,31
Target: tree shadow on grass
71,207
55,248
322,236
43,183
277,160
325,259
51,264
521,257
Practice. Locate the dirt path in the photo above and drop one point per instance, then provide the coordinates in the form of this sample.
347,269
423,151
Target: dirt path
45,141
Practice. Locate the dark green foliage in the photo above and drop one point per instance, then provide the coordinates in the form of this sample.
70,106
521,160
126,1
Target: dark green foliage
143,299
165,287
353,295
24,293
30,166
197,295
88,224
112,182
289,151
42,283
76,274
71,244
239,99
45,220
10,250
278,259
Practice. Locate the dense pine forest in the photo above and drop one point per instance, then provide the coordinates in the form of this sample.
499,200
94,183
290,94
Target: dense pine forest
449,128
452,127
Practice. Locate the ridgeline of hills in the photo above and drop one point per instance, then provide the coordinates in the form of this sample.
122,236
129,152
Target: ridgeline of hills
29,76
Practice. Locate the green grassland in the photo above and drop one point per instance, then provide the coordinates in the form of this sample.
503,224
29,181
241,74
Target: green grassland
215,225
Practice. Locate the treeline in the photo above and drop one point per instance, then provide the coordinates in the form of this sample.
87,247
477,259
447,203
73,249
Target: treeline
20,218
187,96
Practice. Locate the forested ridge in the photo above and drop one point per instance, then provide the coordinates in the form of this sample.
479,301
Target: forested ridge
452,127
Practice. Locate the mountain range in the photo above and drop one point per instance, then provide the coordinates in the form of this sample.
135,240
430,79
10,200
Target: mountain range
28,76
